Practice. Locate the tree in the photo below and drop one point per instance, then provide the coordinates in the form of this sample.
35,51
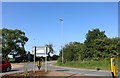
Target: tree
0,41
97,46
91,36
51,50
13,41
55,57
94,34
71,51
106,48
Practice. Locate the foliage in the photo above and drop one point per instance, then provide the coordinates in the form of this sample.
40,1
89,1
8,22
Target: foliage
97,46
71,51
13,41
94,34
91,37
0,36
54,57
51,51
106,47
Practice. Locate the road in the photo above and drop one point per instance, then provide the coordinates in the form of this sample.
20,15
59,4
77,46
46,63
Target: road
85,72
50,66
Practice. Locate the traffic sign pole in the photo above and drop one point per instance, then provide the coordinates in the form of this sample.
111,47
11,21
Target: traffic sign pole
45,59
34,57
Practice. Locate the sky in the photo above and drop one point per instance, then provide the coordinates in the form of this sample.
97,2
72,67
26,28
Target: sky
60,0
41,24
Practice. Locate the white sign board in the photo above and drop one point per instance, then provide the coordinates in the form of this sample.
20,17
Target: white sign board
40,51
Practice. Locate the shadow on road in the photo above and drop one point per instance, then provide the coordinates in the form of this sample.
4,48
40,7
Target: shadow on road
62,70
14,70
89,72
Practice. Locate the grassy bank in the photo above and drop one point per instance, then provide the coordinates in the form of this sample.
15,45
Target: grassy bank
102,64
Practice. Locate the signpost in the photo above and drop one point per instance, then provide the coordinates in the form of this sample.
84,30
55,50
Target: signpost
45,59
41,51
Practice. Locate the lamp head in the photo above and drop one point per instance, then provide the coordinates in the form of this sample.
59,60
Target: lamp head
60,19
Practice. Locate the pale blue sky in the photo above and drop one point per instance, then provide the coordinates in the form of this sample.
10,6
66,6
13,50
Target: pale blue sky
40,21
60,0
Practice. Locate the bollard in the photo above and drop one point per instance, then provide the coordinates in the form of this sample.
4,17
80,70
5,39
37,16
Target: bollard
113,67
39,64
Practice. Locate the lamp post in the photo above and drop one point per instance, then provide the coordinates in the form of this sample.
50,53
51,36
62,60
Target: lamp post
61,20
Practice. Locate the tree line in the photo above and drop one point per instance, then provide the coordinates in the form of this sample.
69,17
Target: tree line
97,46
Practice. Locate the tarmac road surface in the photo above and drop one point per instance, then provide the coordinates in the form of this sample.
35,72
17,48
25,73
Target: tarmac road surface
50,66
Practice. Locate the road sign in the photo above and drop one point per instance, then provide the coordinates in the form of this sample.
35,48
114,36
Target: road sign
41,51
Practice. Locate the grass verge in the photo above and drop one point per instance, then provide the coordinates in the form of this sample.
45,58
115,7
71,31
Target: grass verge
102,64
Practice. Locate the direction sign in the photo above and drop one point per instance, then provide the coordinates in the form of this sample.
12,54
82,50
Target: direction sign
40,51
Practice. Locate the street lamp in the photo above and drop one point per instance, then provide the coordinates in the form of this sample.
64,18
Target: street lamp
61,20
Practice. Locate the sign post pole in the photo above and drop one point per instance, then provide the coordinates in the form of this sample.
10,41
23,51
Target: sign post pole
38,51
34,57
45,59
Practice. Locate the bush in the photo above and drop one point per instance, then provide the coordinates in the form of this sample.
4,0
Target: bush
18,59
54,57
12,60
